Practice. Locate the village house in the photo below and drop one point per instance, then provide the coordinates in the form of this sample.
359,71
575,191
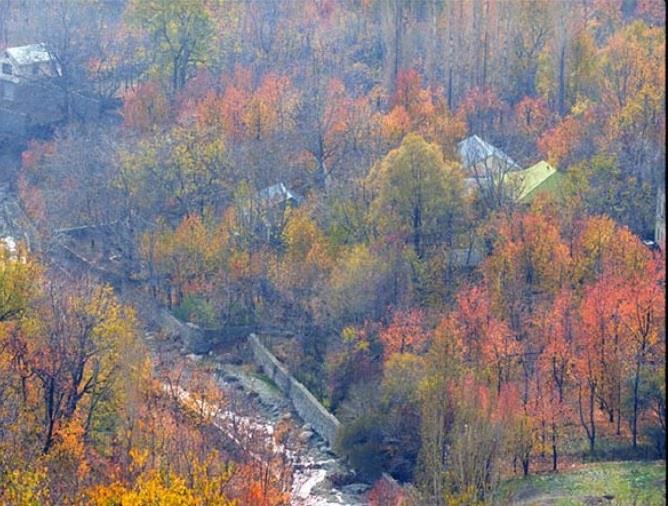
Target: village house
29,99
482,161
269,206
24,64
524,185
485,165
33,98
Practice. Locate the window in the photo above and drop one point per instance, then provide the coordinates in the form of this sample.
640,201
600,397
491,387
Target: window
7,90
7,69
35,70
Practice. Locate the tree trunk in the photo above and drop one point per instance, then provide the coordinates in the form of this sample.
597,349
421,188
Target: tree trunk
562,81
175,75
450,89
417,215
619,409
397,42
634,421
49,406
589,426
554,447
592,439
484,61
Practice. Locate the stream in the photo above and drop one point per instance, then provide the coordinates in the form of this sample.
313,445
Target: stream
312,462
309,473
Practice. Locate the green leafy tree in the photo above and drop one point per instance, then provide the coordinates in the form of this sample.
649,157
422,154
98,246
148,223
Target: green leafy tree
179,35
417,194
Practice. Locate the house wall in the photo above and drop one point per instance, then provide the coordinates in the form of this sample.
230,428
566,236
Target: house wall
41,103
12,122
35,70
304,403
27,72
491,166
35,104
464,257
7,90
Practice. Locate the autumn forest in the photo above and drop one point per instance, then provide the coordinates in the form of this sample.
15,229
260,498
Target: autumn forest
443,221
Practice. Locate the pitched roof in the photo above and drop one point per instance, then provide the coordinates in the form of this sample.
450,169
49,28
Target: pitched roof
276,193
474,150
539,177
9,244
32,53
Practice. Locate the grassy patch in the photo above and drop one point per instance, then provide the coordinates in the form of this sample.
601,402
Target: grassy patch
628,483
266,380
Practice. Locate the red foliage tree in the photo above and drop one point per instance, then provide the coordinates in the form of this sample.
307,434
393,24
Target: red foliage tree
405,333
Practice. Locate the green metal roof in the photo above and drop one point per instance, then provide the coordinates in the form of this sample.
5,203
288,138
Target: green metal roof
539,177
551,185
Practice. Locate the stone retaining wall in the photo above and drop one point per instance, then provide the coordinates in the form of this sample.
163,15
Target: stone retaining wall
105,275
189,333
305,404
199,340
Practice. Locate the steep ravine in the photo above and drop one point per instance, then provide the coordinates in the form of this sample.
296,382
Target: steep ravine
312,462
313,465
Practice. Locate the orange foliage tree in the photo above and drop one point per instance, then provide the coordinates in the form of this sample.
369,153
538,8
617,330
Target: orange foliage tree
405,333
424,111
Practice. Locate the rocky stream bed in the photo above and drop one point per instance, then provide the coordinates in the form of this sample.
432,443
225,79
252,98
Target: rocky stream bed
258,408
315,469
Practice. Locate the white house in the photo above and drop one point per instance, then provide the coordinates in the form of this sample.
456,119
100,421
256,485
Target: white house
23,64
482,160
265,212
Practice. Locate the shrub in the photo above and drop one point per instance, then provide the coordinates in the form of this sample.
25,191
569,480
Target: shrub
198,310
361,442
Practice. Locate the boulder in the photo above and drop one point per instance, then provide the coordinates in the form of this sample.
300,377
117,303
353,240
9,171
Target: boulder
305,436
356,488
